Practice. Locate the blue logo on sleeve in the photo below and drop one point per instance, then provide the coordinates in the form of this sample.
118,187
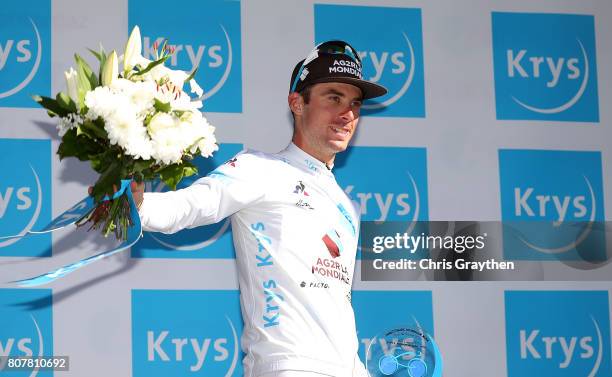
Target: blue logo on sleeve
187,332
390,44
558,333
545,67
25,197
214,46
550,202
210,241
25,51
393,309
27,327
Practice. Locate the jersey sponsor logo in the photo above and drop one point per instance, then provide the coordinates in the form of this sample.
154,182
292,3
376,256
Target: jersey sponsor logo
264,243
390,45
545,67
314,284
273,302
332,269
551,201
25,51
182,333
213,240
557,333
332,243
214,46
393,309
25,196
301,203
26,330
300,189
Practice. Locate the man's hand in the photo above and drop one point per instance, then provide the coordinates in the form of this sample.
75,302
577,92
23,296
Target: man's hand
137,192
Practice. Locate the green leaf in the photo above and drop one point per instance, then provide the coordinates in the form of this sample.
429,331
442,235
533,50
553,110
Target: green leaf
180,113
111,176
150,173
163,107
98,55
103,57
51,105
84,76
92,130
172,175
91,77
66,102
81,147
191,75
151,66
101,161
140,165
69,147
189,169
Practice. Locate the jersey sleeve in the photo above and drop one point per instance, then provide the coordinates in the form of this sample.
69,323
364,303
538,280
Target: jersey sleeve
226,190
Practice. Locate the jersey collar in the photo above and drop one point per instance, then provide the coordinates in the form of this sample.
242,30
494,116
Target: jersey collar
297,157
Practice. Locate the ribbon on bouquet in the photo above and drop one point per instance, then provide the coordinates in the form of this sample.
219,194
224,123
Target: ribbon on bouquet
71,216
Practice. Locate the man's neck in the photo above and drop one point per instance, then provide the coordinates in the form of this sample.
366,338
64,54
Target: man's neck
327,160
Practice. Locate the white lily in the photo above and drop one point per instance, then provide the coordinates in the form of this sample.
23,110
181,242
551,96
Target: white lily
72,85
133,50
195,88
111,69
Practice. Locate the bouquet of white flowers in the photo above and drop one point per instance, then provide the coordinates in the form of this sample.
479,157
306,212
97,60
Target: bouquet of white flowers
137,123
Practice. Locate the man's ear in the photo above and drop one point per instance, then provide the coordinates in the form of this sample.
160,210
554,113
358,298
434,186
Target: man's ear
296,103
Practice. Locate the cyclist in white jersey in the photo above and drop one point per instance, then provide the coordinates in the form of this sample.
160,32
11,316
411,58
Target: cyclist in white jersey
295,231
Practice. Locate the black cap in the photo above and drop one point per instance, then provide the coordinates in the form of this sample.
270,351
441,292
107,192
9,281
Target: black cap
333,61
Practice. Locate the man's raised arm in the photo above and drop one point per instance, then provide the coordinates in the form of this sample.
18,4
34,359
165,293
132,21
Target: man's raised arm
226,190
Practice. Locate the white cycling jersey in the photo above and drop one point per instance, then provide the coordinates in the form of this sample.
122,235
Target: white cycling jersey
295,235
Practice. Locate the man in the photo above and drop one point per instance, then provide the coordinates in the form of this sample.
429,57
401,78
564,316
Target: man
295,231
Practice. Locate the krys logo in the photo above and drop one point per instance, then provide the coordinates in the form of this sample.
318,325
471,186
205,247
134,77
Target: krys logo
25,332
558,333
390,44
179,333
25,196
550,202
210,241
388,183
545,67
214,47
25,40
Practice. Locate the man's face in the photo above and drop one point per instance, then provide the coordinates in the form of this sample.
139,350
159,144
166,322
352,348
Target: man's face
328,121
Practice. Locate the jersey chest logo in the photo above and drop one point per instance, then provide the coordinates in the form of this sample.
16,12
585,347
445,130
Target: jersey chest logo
304,196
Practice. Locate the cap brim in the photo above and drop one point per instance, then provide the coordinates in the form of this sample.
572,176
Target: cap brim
368,89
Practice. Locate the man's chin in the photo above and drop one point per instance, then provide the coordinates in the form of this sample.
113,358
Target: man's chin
338,147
